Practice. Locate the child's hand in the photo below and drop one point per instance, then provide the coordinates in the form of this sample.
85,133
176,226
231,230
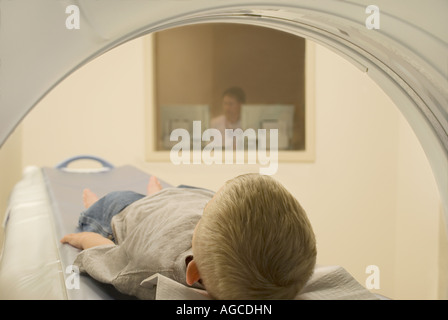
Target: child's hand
85,240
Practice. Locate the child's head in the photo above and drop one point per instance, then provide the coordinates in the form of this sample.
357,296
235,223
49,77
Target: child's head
254,241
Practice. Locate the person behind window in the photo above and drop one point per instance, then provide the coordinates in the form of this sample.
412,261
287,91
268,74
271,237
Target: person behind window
232,99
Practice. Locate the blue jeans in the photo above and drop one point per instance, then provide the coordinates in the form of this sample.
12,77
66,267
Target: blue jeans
97,218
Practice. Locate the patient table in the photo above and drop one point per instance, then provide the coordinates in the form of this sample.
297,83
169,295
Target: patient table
45,205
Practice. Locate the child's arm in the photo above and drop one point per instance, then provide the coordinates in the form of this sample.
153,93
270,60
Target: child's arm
85,240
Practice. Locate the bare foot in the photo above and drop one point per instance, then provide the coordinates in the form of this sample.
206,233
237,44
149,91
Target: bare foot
153,185
88,198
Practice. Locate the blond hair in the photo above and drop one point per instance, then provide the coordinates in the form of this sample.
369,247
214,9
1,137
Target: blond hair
254,241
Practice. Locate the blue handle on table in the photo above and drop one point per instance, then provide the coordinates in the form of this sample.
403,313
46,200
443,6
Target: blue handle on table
65,163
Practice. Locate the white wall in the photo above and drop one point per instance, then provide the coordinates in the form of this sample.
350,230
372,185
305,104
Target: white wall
97,110
360,193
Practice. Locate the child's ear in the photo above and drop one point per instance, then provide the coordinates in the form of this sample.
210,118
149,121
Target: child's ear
192,273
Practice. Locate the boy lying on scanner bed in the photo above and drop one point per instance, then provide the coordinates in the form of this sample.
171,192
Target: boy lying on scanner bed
252,240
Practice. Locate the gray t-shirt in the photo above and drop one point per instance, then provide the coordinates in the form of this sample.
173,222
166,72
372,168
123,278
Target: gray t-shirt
153,235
